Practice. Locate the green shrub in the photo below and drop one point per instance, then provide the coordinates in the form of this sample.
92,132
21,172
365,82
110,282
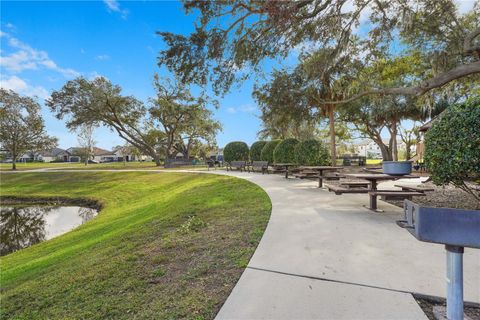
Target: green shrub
235,151
256,150
312,153
267,150
285,151
452,152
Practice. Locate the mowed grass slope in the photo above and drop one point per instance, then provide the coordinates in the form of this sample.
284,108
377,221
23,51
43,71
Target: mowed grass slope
164,246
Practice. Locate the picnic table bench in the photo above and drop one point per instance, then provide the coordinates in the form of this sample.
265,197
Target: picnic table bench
340,190
239,165
355,184
260,165
306,174
373,192
283,167
395,194
210,164
414,188
321,173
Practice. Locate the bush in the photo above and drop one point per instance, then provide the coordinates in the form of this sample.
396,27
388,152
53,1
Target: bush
267,150
235,151
452,152
256,150
312,153
285,151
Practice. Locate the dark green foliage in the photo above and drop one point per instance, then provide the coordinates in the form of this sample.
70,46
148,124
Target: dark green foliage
267,151
235,151
285,151
452,152
312,153
256,150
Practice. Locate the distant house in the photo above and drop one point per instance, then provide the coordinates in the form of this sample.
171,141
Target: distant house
98,154
128,154
370,149
102,155
75,154
55,154
26,157
420,147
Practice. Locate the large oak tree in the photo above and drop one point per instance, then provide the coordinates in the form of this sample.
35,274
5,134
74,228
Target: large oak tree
22,128
232,38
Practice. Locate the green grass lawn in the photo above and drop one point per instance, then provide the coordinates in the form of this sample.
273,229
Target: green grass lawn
91,166
36,165
374,161
164,246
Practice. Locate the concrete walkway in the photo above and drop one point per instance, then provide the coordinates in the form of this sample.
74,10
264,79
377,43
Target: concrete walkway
326,257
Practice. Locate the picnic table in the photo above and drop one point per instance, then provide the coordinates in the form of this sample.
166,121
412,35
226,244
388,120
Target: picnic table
286,166
321,170
374,178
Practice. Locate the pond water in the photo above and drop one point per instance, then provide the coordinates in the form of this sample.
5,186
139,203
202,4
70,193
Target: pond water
23,226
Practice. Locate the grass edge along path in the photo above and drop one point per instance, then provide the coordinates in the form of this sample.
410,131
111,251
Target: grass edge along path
165,245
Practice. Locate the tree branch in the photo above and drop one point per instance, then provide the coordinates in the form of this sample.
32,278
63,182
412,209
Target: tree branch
425,86
468,47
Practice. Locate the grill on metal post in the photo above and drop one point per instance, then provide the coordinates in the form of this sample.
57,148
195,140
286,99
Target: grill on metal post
454,228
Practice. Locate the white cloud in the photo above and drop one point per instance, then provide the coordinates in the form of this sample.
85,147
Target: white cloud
114,6
464,6
10,26
93,75
247,108
102,57
27,58
20,86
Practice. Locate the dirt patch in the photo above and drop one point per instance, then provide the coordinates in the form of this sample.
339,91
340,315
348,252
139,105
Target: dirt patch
444,197
51,201
427,304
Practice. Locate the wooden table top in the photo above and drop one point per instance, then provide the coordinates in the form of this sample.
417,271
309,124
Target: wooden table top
321,167
378,176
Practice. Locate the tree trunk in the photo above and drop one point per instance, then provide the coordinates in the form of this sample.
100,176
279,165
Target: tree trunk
384,149
14,164
386,152
408,154
333,150
157,161
393,138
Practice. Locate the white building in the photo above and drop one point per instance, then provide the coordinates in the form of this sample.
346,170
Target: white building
368,148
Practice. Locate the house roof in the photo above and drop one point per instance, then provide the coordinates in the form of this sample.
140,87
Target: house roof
96,151
101,152
52,152
426,126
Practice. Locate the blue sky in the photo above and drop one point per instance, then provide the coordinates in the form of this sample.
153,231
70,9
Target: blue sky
44,44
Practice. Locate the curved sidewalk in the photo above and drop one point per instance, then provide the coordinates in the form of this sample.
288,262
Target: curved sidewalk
326,257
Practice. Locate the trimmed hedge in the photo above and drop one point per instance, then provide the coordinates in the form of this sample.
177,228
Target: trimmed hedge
452,152
235,151
285,151
267,150
256,150
312,153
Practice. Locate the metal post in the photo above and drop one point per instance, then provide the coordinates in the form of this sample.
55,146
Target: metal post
454,282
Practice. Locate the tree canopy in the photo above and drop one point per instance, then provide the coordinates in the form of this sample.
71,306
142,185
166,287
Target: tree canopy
22,128
174,122
232,38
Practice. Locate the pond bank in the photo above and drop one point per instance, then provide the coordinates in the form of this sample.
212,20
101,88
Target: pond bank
50,201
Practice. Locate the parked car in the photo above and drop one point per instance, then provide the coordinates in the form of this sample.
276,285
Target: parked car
92,161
